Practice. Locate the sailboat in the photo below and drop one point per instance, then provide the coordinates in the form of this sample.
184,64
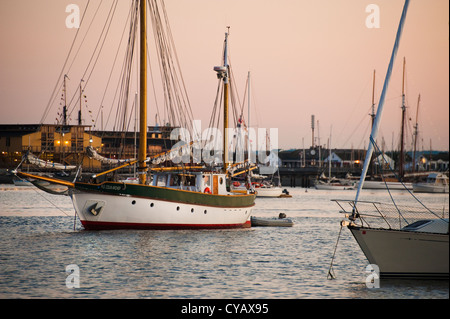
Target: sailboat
435,183
394,183
404,242
262,184
331,183
177,198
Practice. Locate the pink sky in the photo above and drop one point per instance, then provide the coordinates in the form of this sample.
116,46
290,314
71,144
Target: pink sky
306,57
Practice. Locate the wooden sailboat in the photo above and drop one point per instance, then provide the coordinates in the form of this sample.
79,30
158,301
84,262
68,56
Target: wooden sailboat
177,198
403,242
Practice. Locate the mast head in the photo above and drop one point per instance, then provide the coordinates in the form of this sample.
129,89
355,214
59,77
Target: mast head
222,71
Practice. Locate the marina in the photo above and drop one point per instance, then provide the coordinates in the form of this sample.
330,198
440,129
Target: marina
163,181
38,244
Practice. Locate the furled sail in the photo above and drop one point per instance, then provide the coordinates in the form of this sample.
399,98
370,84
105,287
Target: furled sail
92,153
47,164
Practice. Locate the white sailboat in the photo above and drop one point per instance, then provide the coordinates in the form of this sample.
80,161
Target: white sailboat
403,242
435,183
331,183
262,184
177,198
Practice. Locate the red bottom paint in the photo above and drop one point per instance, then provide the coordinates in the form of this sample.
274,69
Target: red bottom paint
90,225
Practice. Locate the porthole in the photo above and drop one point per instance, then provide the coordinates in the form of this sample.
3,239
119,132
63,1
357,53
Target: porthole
151,204
192,210
221,180
133,202
205,211
178,207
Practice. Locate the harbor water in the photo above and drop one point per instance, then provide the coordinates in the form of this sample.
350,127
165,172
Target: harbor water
46,253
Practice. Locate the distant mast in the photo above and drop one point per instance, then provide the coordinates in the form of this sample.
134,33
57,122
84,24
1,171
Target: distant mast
416,133
401,171
65,102
79,111
372,115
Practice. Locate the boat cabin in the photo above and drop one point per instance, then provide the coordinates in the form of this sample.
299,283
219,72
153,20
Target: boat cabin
437,179
205,182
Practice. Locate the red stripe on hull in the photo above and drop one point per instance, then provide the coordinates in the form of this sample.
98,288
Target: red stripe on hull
90,225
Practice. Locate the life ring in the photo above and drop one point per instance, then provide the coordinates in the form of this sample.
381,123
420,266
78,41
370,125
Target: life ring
207,190
236,184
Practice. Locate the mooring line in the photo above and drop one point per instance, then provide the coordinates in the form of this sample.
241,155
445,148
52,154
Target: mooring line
331,274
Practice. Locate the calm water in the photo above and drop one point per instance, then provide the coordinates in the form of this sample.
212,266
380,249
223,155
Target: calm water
38,241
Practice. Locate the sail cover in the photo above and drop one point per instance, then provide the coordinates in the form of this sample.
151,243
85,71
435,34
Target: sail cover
92,153
47,164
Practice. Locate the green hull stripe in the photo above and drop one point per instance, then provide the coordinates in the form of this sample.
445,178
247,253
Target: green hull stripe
168,194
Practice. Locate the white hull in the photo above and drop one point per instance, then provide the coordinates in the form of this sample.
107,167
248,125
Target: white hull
269,192
429,188
105,211
333,187
405,253
390,185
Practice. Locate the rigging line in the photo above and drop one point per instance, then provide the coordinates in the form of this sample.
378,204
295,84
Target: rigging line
85,35
346,124
175,96
396,176
40,194
159,56
113,65
118,91
103,35
125,89
331,274
52,96
74,58
168,28
101,47
384,180
152,82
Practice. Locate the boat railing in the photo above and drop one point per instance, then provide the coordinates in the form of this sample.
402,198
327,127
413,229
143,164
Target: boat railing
386,215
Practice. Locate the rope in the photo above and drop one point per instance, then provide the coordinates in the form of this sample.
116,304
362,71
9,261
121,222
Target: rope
331,274
50,202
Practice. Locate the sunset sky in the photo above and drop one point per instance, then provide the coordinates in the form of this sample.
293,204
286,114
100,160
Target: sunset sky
305,57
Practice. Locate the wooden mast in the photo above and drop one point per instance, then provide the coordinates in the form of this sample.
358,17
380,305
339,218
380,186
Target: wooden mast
142,156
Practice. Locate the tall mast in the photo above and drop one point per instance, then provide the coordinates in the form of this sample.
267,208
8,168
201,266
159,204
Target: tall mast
65,102
416,133
374,133
142,168
79,111
402,136
248,119
225,103
372,115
